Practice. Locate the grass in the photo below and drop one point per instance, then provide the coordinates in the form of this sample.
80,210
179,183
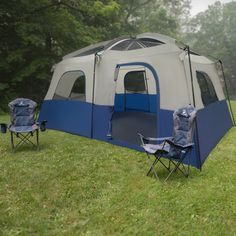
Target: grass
78,186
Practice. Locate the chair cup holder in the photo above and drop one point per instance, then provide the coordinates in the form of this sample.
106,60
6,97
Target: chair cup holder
43,126
3,128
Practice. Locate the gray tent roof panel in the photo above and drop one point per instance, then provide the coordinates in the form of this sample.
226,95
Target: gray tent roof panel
124,44
89,48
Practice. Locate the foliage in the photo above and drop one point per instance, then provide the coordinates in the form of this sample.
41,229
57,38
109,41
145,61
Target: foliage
35,36
213,33
79,186
162,16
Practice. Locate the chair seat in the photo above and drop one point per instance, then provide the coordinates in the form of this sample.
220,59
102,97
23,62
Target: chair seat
23,129
153,148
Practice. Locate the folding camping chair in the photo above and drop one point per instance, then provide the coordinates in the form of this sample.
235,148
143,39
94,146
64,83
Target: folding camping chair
23,124
176,149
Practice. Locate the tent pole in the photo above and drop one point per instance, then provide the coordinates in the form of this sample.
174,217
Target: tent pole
94,74
191,75
194,104
227,92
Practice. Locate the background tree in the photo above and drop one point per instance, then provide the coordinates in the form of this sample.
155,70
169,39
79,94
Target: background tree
213,33
35,35
162,16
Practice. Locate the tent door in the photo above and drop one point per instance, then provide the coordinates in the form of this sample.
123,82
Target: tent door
135,104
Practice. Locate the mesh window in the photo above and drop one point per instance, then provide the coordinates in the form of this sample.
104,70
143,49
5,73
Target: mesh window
208,93
122,46
71,86
134,81
147,42
132,44
78,89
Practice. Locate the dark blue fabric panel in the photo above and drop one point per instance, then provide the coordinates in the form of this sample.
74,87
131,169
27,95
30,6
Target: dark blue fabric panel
119,104
138,102
153,103
101,121
67,115
165,123
135,101
213,122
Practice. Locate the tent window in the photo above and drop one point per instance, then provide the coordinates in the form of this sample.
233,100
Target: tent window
133,44
71,86
134,81
208,92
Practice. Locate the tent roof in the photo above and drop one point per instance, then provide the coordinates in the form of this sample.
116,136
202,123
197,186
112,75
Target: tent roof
124,44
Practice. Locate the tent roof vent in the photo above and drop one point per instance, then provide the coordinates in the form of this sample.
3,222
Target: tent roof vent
132,44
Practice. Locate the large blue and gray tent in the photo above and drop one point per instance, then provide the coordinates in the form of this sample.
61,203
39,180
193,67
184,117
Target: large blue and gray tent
112,90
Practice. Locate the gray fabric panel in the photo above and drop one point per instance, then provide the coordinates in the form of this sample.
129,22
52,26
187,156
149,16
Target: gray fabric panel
126,125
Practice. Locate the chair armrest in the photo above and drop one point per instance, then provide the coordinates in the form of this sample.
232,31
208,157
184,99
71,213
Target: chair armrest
160,139
188,145
42,125
148,139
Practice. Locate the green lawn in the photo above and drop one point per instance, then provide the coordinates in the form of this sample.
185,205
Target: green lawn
78,186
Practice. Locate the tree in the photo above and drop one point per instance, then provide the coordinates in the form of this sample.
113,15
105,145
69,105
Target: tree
162,16
35,36
213,33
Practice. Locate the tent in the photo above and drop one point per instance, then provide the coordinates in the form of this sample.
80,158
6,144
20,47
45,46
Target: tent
112,90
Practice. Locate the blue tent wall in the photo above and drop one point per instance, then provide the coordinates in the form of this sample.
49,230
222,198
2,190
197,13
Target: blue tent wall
74,117
67,115
212,122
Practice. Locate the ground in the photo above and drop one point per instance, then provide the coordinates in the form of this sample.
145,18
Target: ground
79,186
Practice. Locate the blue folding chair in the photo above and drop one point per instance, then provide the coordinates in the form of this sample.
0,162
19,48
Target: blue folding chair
23,126
176,149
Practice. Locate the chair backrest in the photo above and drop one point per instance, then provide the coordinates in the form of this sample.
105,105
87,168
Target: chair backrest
22,112
184,119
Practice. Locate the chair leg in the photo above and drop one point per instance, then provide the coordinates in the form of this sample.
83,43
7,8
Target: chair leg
177,167
12,141
152,167
37,138
24,138
173,170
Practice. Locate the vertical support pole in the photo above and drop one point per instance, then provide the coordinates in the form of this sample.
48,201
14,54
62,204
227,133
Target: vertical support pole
191,76
94,75
37,138
227,92
147,92
194,104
